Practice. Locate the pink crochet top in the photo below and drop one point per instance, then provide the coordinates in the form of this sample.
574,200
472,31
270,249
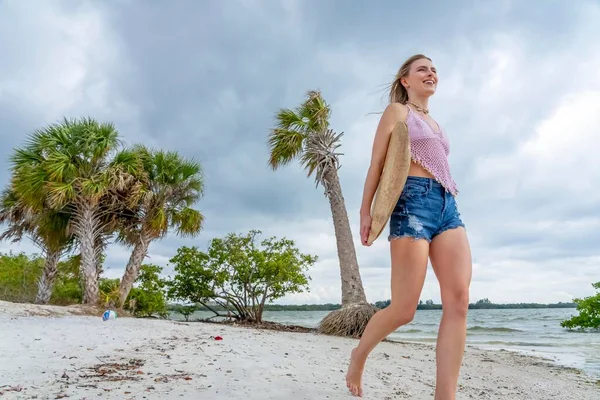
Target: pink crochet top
430,149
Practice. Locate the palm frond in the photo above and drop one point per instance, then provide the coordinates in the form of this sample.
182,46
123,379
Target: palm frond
46,228
320,155
287,141
188,222
23,157
289,120
284,146
53,230
60,194
127,161
14,215
58,166
171,183
315,111
30,185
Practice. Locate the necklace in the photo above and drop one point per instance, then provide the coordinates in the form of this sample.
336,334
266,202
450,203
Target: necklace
419,108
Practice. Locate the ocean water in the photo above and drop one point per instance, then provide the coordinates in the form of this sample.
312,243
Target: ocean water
529,331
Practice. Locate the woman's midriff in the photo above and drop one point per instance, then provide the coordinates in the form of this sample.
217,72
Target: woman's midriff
417,170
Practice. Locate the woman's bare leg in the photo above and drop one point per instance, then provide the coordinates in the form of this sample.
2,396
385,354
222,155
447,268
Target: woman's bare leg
451,262
409,266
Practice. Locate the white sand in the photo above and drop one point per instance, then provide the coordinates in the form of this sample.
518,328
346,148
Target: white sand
54,357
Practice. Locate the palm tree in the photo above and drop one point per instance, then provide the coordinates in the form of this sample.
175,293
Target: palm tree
75,165
303,134
47,229
171,185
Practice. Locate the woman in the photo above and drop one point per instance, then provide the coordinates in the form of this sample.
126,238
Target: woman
424,224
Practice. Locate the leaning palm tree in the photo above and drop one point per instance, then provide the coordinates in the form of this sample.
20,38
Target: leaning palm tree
171,186
47,229
76,165
303,134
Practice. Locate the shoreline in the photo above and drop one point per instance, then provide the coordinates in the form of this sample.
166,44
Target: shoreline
278,327
79,356
486,332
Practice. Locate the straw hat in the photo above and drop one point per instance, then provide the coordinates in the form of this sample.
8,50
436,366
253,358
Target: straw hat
392,180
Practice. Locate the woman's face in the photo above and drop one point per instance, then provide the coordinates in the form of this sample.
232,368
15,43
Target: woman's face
422,78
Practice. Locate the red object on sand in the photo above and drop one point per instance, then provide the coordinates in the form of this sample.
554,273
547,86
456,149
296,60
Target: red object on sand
218,338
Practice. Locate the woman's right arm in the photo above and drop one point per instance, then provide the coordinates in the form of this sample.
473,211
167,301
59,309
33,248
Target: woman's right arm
393,113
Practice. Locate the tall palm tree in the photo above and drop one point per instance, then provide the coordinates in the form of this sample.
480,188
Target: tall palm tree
303,134
47,229
171,186
76,165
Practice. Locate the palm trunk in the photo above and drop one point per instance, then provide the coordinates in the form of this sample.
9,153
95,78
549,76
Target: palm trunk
46,282
352,288
99,248
87,232
133,267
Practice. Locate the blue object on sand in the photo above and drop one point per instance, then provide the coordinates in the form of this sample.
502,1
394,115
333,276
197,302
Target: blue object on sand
109,314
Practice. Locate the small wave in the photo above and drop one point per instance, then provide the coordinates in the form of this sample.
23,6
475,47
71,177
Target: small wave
519,344
411,331
479,328
395,338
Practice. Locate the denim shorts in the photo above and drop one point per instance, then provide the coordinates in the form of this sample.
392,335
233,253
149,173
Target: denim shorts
424,210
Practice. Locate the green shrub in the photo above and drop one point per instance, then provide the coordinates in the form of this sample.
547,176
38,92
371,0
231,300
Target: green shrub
239,275
19,274
67,286
589,312
147,297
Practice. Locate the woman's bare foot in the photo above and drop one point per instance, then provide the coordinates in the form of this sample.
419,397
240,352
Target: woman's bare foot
354,375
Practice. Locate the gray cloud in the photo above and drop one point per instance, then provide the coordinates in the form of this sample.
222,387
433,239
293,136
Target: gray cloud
206,79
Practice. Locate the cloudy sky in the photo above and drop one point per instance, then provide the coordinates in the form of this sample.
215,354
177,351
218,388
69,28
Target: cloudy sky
519,96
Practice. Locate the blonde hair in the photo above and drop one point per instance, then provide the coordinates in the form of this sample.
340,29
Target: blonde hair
398,93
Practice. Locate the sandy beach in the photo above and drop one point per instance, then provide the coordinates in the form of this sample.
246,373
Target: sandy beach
54,352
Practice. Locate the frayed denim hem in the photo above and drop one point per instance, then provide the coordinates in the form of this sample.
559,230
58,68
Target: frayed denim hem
408,235
453,226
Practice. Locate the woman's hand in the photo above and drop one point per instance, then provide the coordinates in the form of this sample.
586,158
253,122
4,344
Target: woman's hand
365,228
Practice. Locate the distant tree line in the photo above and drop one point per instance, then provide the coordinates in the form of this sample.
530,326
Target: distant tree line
484,304
268,307
423,305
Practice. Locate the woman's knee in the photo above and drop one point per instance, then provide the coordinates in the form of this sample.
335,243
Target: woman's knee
456,303
400,315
